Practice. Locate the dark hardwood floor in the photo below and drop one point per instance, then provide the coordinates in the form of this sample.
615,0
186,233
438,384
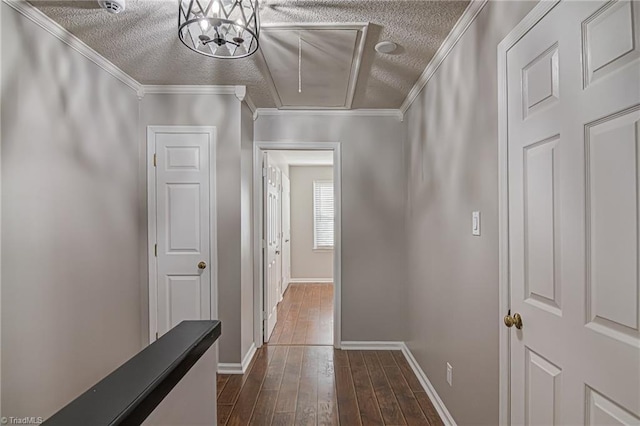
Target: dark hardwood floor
305,316
318,385
300,379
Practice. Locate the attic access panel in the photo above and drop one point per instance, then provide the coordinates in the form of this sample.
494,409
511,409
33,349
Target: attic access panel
327,56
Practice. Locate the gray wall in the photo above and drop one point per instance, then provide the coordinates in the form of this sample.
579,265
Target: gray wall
189,402
246,205
452,171
70,221
373,214
305,261
224,112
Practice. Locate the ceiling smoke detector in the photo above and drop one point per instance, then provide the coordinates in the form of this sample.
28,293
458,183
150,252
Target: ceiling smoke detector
112,6
386,47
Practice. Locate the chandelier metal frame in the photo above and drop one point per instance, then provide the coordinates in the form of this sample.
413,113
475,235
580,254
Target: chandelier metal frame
224,29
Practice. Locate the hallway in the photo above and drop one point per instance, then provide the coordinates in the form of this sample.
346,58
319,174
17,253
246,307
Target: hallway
298,378
318,385
305,316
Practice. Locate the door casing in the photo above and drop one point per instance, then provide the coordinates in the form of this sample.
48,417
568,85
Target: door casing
286,236
258,266
152,223
529,21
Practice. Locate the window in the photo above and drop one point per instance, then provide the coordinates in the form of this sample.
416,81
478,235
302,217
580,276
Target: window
323,215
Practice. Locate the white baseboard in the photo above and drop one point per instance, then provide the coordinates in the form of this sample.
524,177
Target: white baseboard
310,280
445,415
237,368
372,346
230,368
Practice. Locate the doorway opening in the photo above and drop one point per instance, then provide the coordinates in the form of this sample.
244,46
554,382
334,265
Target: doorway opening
297,199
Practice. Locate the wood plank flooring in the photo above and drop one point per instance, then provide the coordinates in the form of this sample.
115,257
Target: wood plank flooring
318,385
305,316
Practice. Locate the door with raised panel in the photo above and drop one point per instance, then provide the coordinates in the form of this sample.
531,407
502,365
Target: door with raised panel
183,224
573,154
272,244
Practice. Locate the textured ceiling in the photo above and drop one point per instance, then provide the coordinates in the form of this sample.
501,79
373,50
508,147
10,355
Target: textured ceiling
143,42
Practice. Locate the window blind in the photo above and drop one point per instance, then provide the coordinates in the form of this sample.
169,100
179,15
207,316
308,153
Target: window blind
323,214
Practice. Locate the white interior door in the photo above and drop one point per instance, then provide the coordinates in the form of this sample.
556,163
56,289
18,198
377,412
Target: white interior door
286,232
271,238
279,232
573,149
183,230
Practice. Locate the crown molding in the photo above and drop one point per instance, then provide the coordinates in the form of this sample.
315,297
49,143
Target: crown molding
458,30
331,112
43,21
55,29
240,92
170,89
251,106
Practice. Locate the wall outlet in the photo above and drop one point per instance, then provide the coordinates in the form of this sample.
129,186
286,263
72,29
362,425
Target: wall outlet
449,374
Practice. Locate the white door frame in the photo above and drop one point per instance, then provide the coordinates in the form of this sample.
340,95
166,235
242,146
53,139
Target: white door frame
529,21
258,225
0,210
152,223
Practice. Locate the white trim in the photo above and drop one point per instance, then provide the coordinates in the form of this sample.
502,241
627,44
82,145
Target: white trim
240,92
230,368
238,368
0,210
371,346
310,280
152,224
361,27
442,410
538,12
331,112
258,147
252,106
56,30
458,30
170,89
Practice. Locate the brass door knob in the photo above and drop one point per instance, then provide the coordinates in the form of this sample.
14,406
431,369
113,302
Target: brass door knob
510,321
202,265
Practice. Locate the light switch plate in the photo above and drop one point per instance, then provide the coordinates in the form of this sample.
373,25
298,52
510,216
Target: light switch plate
475,223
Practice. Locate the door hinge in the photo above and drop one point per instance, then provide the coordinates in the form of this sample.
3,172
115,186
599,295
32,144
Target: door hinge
264,172
156,335
264,243
155,250
264,315
155,160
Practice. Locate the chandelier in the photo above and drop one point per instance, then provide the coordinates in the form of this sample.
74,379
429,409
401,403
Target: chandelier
219,28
